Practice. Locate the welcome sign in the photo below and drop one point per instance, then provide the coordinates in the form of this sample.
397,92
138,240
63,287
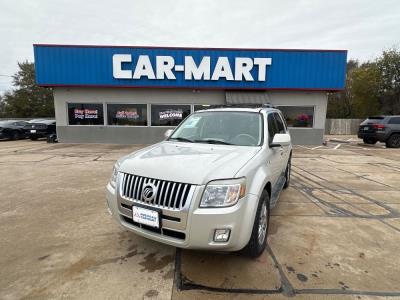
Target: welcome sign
197,68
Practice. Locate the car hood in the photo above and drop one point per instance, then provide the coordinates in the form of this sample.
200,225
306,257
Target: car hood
187,162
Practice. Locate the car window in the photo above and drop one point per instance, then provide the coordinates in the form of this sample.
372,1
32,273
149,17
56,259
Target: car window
279,123
221,127
374,120
272,127
394,120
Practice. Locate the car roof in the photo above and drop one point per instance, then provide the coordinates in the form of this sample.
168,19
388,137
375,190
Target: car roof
381,117
237,108
8,121
42,121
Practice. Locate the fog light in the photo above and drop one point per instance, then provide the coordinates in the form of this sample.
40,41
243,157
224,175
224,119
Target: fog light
108,208
221,235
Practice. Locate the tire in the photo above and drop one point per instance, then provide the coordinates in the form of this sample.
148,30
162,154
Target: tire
288,173
393,141
15,135
255,247
370,141
51,139
33,138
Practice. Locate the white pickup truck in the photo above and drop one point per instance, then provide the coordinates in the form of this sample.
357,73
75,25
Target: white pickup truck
210,184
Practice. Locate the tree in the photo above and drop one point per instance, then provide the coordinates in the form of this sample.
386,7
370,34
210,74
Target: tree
340,105
389,88
27,99
1,107
371,88
364,89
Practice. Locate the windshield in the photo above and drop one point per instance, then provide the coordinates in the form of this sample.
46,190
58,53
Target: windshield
5,123
216,127
48,122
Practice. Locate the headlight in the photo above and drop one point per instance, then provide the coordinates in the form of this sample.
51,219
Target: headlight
114,175
223,193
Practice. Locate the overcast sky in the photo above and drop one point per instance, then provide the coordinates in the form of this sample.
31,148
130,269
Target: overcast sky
363,27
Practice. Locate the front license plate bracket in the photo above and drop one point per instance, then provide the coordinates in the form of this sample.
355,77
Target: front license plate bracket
146,215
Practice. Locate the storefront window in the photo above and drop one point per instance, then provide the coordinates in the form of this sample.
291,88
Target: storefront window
127,114
168,115
298,116
201,106
85,114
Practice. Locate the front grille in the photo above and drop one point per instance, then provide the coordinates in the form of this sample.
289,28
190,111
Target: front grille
170,194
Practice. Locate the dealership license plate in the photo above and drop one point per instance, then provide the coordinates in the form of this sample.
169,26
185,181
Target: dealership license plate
33,131
366,128
146,216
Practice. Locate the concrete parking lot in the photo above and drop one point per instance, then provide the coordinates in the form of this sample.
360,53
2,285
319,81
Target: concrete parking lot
335,233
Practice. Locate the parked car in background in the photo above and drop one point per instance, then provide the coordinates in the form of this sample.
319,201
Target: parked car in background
40,128
12,129
385,129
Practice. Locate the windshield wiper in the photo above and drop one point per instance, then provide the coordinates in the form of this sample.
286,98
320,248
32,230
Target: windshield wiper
182,139
212,141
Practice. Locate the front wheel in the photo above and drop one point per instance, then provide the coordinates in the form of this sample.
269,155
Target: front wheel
15,136
258,239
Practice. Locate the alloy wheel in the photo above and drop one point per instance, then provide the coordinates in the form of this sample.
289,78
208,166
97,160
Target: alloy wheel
262,224
396,141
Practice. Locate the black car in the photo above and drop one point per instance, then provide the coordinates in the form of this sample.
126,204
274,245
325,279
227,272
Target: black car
12,129
385,129
36,129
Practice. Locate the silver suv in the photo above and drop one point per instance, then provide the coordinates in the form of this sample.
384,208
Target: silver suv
210,185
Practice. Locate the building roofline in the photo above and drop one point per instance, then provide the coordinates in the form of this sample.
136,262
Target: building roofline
189,48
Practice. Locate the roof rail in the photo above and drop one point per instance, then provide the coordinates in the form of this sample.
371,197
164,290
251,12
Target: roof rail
248,105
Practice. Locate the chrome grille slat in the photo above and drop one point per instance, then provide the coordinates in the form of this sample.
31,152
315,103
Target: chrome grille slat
170,194
136,187
159,193
157,198
139,197
183,193
130,187
134,194
176,194
166,194
123,182
128,180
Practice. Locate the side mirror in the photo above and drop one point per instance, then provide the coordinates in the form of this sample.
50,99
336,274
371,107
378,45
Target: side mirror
280,140
168,133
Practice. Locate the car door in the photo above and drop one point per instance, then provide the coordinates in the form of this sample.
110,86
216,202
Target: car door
274,156
284,150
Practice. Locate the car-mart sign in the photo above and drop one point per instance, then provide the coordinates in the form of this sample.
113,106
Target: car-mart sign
189,67
165,68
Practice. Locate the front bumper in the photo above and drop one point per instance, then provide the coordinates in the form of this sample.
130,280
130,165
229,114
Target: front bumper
37,134
200,225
